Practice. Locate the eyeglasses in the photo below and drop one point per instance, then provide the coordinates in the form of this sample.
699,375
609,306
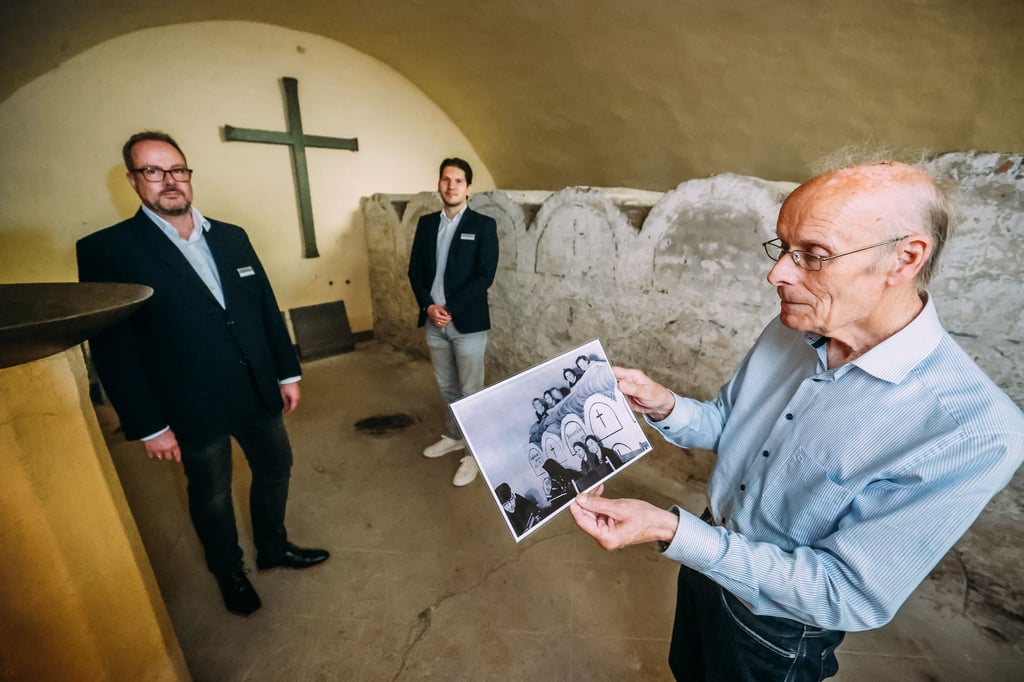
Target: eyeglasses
809,261
154,174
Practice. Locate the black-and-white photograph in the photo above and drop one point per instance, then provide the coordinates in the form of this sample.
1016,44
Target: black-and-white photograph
547,433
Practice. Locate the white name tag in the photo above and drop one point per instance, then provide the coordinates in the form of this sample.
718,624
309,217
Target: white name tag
247,271
467,236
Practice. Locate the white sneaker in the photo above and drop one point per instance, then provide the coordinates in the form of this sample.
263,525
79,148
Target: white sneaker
466,472
444,446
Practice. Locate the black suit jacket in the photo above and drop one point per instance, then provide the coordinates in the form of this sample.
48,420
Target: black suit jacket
472,262
181,359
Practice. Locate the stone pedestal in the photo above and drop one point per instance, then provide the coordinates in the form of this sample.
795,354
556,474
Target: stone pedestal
78,598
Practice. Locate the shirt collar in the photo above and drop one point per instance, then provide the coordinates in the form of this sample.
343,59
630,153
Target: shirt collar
457,218
171,231
893,359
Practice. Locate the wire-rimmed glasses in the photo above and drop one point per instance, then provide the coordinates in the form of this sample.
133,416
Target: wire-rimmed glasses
809,261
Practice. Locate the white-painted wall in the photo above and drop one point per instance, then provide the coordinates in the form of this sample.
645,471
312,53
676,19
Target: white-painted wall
61,174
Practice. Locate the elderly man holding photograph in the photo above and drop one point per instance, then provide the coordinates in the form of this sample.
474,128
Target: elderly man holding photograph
855,443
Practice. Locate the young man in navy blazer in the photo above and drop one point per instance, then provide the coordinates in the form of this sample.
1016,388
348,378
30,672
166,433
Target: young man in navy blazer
453,261
207,357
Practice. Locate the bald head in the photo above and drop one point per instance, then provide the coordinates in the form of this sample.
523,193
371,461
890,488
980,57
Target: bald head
886,200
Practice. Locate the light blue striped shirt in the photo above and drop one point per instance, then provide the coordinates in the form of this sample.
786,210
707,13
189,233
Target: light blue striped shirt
836,491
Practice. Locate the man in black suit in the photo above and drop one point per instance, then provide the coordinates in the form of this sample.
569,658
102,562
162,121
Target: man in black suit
207,357
453,261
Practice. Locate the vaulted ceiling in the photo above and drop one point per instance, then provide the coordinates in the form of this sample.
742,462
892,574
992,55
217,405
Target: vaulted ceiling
642,93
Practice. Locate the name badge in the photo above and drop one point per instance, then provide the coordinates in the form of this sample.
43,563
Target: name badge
467,236
247,271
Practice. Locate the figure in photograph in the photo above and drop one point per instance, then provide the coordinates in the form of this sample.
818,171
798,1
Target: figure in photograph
205,359
603,454
549,402
855,443
522,512
540,410
452,265
589,462
571,376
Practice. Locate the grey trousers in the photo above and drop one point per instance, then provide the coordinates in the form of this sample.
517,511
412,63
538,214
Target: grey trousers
458,366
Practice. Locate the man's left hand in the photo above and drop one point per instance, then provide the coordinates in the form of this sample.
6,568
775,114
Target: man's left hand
619,523
290,396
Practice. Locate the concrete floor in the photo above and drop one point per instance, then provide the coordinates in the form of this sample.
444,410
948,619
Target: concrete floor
425,580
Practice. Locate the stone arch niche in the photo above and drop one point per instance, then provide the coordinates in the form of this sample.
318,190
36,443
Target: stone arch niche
580,233
513,212
705,236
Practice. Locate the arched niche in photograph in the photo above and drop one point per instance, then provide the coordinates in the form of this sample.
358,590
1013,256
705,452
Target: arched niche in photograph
572,430
536,457
554,448
602,416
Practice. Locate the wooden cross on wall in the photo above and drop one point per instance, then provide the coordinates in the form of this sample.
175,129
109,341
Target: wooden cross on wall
295,138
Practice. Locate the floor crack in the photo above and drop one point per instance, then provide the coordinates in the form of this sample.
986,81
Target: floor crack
424,618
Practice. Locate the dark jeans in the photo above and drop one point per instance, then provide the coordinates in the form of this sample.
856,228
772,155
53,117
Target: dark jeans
264,441
717,639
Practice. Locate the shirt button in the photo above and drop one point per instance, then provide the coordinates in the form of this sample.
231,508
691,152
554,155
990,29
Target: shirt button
789,416
743,487
724,520
764,454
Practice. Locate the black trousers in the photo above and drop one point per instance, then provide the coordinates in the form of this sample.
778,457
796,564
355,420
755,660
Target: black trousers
716,638
264,440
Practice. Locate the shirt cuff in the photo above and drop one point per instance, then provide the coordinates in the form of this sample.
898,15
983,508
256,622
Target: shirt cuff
158,433
695,543
289,380
679,419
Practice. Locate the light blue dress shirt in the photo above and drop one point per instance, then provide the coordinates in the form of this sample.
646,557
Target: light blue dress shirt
445,231
195,249
836,491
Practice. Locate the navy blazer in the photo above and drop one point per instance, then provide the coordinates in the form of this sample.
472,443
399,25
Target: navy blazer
472,263
181,359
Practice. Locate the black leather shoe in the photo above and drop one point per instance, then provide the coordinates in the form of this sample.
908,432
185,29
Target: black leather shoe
238,592
294,557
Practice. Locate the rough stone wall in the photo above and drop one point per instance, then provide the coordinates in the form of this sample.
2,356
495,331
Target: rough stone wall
674,284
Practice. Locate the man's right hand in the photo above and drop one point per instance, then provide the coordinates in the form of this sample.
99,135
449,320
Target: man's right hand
438,315
620,523
644,394
164,446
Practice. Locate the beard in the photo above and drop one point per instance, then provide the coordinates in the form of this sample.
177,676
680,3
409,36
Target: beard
176,211
172,207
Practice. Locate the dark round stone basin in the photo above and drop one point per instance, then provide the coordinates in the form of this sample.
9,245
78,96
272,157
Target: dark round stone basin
37,320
